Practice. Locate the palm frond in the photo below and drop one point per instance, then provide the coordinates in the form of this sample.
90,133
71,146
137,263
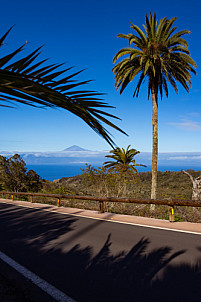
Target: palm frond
139,31
161,53
28,82
122,158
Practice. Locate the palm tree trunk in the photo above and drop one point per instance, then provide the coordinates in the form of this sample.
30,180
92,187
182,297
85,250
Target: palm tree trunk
154,144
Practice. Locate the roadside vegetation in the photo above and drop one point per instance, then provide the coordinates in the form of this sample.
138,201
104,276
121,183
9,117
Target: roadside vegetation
14,176
97,182
106,181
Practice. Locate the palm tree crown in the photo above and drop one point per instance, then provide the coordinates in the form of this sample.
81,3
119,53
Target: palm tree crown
31,83
122,159
159,54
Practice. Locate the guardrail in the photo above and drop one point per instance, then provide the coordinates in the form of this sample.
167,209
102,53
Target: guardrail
101,200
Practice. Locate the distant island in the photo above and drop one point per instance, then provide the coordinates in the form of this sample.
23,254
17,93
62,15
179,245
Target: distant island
78,155
71,155
75,148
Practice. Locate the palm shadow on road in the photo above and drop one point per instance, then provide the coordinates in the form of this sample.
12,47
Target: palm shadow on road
140,274
131,276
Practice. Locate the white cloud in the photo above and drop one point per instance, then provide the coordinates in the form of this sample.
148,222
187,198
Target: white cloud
177,158
184,158
194,114
187,125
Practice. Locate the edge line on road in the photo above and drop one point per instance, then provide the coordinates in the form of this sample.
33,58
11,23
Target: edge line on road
41,283
132,223
109,220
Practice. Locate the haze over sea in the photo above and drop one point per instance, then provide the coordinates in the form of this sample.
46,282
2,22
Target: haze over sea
69,162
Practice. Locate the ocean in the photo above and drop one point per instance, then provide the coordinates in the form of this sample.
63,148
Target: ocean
52,172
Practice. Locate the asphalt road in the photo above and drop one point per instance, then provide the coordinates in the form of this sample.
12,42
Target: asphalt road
96,260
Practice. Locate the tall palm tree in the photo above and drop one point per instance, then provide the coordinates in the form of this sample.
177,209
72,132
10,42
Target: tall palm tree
122,159
160,55
29,82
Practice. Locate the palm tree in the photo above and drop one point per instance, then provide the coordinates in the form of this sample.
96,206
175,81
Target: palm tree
122,160
160,55
29,82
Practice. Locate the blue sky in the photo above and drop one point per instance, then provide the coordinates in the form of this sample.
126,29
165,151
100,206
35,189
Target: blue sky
83,34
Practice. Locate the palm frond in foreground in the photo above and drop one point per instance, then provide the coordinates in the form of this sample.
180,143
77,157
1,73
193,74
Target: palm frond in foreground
29,82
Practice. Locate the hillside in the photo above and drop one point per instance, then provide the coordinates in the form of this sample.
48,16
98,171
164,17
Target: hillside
175,185
171,185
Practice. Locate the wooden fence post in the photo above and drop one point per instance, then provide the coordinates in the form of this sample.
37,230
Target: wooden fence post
58,202
31,198
101,206
171,214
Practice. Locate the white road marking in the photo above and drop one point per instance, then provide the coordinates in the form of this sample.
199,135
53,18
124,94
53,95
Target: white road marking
45,286
132,223
110,220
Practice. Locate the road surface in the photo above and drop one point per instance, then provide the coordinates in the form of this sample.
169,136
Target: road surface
97,260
